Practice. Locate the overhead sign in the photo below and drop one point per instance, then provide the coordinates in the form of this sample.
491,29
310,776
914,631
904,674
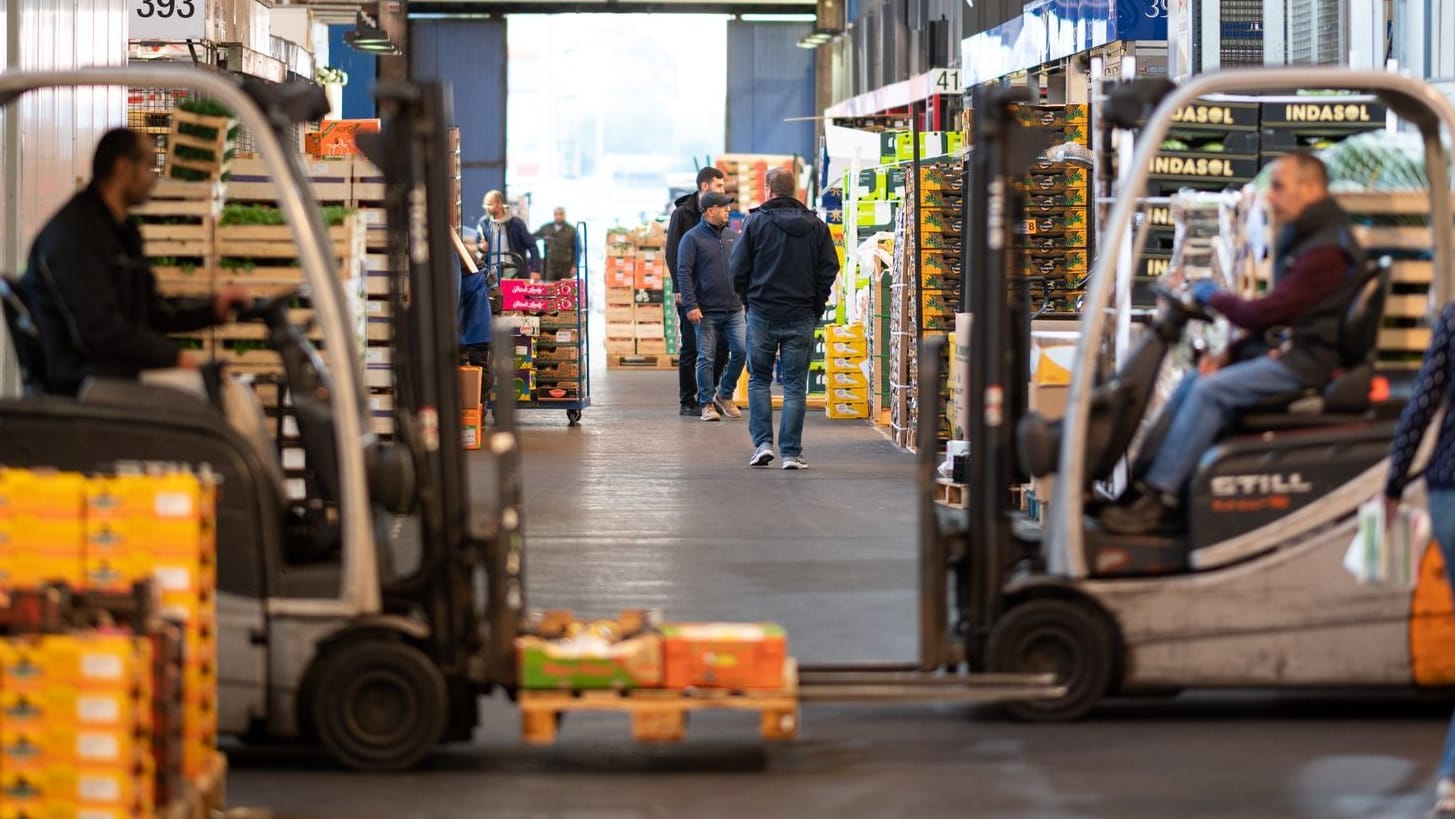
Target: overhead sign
167,20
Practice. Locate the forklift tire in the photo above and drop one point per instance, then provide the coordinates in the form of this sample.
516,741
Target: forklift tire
1070,640
379,705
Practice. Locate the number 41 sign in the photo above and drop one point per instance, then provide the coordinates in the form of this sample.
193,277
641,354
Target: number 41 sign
167,20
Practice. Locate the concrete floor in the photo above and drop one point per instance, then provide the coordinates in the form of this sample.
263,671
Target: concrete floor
638,507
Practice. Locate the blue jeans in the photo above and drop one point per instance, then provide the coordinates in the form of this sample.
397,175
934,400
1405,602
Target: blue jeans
790,344
713,325
1442,526
1203,406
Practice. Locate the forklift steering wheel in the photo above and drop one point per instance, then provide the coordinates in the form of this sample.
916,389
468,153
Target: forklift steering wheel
270,311
1181,303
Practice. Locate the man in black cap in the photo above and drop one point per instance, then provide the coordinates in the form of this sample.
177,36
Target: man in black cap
712,306
684,218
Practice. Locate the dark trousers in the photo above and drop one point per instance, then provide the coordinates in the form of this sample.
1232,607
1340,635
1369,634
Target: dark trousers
687,360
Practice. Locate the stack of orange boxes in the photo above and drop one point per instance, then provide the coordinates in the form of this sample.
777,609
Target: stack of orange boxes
621,272
651,276
42,528
167,527
76,726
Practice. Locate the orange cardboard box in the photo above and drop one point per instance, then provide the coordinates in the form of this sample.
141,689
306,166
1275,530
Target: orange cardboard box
335,137
471,429
56,496
648,279
724,655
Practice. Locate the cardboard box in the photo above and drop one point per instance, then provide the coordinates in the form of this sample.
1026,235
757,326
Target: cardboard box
847,348
472,380
471,432
848,379
724,655
844,410
585,663
335,137
648,278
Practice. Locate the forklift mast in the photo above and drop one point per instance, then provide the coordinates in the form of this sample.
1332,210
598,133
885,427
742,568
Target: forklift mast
999,345
411,150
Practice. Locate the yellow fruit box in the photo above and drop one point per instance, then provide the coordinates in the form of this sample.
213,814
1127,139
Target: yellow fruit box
844,332
42,494
854,379
179,497
113,787
847,348
847,409
849,395
838,363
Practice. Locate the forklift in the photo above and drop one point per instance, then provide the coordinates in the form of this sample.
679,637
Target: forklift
371,620
1253,593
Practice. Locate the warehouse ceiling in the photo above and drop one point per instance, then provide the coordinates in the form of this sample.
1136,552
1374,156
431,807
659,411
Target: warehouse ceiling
343,12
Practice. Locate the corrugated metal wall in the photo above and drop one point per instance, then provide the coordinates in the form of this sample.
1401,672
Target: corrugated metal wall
769,79
55,131
471,56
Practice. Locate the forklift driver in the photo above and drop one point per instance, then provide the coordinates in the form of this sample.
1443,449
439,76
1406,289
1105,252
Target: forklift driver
91,289
1315,269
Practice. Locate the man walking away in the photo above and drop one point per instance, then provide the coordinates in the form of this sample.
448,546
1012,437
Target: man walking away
783,269
685,217
713,306
561,251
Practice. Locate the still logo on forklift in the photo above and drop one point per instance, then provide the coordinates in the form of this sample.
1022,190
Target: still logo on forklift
1224,486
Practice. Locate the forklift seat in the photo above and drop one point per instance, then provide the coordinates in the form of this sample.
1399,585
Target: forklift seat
1346,398
24,336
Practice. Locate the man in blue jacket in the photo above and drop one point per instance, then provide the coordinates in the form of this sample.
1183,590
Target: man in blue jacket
783,268
685,216
712,305
499,233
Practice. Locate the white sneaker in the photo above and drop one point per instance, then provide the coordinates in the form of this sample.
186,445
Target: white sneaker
762,456
1444,800
794,462
709,413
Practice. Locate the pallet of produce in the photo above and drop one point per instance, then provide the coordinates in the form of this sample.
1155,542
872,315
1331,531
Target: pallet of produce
330,182
256,249
201,142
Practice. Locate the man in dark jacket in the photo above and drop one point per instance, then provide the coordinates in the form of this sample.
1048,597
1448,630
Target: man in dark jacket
561,250
783,268
1315,275
712,305
91,289
685,217
499,233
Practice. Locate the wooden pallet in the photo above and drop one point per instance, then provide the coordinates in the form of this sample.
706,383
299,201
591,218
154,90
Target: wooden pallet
660,715
949,493
642,362
203,796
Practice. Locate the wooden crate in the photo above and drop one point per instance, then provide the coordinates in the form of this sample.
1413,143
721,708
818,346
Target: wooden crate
264,257
660,715
178,229
218,147
330,181
368,182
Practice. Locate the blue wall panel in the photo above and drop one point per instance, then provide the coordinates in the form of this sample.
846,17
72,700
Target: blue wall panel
362,70
471,56
769,79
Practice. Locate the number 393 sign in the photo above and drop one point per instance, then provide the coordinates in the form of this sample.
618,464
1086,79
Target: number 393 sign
167,19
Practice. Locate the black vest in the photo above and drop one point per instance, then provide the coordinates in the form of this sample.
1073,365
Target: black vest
1311,346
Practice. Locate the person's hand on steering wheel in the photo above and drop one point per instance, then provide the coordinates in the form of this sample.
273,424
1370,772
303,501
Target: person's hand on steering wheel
231,297
1203,291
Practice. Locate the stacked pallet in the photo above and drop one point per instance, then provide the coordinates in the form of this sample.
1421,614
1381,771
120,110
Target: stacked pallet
846,371
1053,243
121,721
549,327
641,321
746,176
366,194
179,229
